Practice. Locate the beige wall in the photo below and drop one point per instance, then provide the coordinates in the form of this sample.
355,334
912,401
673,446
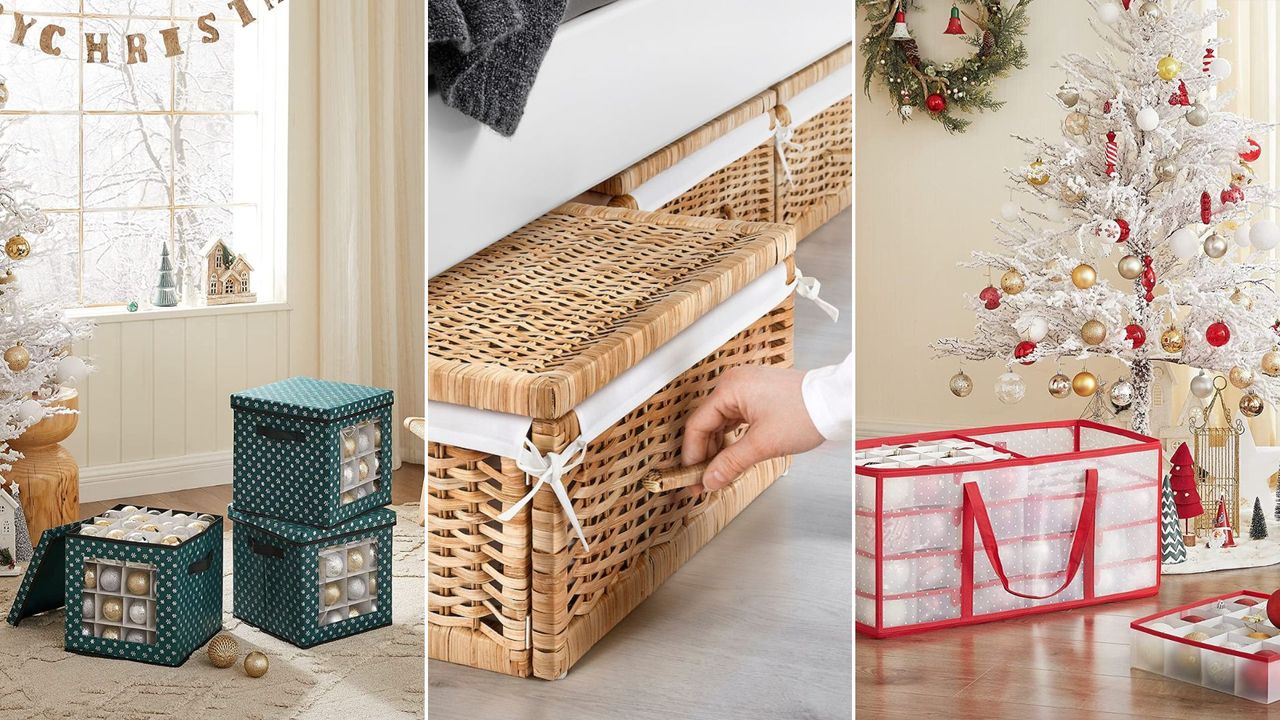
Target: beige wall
924,200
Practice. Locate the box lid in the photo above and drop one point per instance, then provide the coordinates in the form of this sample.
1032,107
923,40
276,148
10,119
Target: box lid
298,534
540,320
44,584
311,398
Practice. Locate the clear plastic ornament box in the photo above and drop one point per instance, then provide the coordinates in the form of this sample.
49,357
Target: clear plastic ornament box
1227,660
926,505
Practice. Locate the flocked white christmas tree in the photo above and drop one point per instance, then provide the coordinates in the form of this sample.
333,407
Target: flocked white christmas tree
1151,177
36,338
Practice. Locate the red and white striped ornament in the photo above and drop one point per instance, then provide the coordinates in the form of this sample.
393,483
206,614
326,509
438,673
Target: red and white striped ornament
1208,59
1113,154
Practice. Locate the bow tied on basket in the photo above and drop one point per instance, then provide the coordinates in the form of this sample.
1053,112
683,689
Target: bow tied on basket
808,287
781,143
550,469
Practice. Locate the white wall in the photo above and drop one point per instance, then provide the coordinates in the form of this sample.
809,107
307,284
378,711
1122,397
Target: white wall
925,199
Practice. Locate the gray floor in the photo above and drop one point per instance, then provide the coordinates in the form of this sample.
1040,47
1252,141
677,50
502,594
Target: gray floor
757,625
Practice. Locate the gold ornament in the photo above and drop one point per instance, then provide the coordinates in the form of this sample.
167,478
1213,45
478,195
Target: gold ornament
256,664
116,534
1166,169
17,248
355,560
1150,10
1084,276
111,633
1130,267
1168,67
1240,377
1071,197
1059,386
149,527
373,585
348,446
1226,227
112,609
1077,123
377,435
1171,340
363,469
1036,173
223,651
353,613
17,358
332,593
1068,95
138,582
961,384
8,277
1011,282
1241,298
1251,405
1271,363
170,540
1084,383
90,578
1093,332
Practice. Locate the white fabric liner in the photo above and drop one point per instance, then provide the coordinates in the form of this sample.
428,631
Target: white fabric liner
821,95
503,433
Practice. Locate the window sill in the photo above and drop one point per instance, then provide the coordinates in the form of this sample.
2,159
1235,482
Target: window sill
118,314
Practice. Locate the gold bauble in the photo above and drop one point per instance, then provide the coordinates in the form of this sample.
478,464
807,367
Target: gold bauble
363,469
1036,173
348,446
1084,383
116,534
1093,332
373,585
1240,377
355,560
1241,298
1171,340
170,540
90,578
1168,67
1251,405
1071,197
17,358
149,527
17,248
1084,276
112,609
1271,363
961,384
223,651
110,633
332,593
1011,282
1130,267
1077,123
377,435
1166,169
1059,386
256,664
138,582
8,277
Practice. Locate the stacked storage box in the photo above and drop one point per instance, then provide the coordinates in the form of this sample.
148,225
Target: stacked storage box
312,544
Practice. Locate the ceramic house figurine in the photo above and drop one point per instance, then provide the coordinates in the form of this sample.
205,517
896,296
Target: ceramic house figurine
228,275
8,534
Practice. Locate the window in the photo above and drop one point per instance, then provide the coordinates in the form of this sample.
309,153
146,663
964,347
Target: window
213,285
230,287
244,282
123,158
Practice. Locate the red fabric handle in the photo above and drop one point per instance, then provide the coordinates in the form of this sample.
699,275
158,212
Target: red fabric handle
1079,541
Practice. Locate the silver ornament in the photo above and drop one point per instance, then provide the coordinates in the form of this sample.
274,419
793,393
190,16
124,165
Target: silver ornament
1130,267
1166,169
1121,394
1059,386
1215,246
1198,115
905,111
1068,95
1150,10
1202,386
1010,388
961,384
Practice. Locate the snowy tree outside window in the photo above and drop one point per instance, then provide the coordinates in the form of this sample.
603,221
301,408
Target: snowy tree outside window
124,158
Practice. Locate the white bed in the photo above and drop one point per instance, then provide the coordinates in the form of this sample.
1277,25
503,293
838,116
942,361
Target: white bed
617,84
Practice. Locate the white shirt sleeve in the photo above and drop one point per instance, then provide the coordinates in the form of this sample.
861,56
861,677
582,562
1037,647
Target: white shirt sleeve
828,396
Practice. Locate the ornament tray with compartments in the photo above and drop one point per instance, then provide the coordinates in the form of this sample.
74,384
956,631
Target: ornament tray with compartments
312,451
968,526
140,584
309,585
1223,643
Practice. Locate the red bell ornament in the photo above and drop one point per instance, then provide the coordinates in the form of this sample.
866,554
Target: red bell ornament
1134,333
1231,195
990,296
1253,153
1206,208
953,25
1217,334
936,103
1024,349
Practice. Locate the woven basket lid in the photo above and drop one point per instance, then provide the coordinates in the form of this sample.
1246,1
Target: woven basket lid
543,318
801,81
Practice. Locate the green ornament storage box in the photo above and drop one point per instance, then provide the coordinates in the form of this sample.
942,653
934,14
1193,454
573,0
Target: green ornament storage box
312,451
176,588
309,585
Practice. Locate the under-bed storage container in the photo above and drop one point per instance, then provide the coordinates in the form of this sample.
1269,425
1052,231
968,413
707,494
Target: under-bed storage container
815,143
312,451
954,528
308,585
563,362
140,584
723,169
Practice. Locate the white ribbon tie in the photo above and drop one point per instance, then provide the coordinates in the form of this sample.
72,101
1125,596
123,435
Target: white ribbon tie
550,469
808,288
781,142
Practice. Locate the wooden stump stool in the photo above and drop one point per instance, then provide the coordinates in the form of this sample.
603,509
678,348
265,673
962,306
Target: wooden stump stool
47,476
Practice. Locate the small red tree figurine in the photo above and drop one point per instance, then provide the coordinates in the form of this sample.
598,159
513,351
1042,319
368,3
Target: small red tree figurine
1182,478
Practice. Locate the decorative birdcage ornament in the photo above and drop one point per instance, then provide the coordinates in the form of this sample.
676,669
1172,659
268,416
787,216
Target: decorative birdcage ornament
1217,458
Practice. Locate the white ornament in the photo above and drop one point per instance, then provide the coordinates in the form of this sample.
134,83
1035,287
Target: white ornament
333,565
356,589
1109,13
71,371
30,412
138,613
1109,231
1220,68
332,616
1264,235
1010,388
1241,236
86,607
1202,386
1148,119
1036,329
1010,211
135,636
363,442
109,579
1184,243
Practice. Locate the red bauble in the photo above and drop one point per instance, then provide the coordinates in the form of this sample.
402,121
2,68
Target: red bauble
1024,348
1217,334
1106,106
1124,229
1253,153
1134,333
990,296
1273,608
1206,208
1233,194
936,103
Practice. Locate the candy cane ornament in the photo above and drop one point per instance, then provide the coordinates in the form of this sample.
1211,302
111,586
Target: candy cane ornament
1208,59
1113,154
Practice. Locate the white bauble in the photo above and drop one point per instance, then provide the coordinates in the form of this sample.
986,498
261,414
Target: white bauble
364,441
1202,385
1148,119
1010,211
109,579
1036,330
1109,13
135,636
356,589
30,411
333,565
1010,388
1184,243
86,607
138,613
1264,235
331,617
1220,68
71,371
1241,236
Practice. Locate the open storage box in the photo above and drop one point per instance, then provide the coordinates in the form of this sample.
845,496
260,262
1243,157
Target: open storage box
960,527
1223,643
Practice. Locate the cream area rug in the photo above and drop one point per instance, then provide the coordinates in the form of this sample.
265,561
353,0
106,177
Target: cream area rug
378,674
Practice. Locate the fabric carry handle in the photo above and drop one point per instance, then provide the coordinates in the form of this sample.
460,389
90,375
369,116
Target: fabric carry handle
269,432
1079,542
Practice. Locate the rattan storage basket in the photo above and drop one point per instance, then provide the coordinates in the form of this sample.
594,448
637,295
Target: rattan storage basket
818,107
581,343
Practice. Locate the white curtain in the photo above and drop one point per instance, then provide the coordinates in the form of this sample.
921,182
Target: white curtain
371,188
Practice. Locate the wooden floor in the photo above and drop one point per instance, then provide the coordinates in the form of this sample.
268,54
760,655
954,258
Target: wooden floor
1072,664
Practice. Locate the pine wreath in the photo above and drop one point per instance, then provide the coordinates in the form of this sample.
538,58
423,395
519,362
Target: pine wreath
961,85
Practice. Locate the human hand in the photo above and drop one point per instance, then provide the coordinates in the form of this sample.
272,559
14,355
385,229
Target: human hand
770,401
